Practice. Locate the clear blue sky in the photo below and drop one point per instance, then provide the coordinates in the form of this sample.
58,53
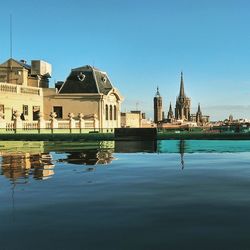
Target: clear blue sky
142,44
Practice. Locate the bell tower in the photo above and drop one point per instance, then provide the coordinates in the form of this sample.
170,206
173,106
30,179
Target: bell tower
157,107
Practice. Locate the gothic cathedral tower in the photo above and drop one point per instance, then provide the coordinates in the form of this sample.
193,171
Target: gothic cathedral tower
157,107
182,107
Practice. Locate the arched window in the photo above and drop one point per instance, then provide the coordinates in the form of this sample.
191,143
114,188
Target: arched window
110,112
115,113
107,112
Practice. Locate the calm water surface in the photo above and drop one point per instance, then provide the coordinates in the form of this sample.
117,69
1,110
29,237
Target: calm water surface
125,195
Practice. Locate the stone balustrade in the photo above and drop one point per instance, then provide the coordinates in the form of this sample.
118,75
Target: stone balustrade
71,123
19,89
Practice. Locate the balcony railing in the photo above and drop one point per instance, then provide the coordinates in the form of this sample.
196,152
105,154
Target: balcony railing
19,89
71,125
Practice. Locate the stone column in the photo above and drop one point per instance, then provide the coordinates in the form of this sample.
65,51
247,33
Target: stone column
81,121
72,123
118,115
18,123
96,122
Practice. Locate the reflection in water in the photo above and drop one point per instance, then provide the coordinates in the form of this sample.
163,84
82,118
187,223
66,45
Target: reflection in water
182,151
22,165
90,157
19,166
141,200
21,160
135,146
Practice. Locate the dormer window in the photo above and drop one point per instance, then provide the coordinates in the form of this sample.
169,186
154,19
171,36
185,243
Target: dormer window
104,79
81,77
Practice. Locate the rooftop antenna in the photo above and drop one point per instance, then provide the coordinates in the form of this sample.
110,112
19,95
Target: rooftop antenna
137,105
11,36
10,60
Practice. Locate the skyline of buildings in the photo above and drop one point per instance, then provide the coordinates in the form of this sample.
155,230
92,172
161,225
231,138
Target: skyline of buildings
144,45
84,87
182,112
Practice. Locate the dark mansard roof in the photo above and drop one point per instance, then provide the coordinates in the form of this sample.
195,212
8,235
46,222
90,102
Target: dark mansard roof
86,79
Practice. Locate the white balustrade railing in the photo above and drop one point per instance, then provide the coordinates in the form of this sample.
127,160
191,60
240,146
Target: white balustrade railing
17,89
30,125
48,124
89,124
77,124
63,124
9,126
53,124
8,88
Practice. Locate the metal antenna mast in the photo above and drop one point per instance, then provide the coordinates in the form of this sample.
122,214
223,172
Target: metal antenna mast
137,105
11,36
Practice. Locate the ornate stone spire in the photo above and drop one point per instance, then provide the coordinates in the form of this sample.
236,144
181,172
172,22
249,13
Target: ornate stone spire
170,108
170,112
182,93
199,118
199,108
157,92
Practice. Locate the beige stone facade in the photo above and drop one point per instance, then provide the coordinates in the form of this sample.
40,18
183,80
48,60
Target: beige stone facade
105,108
130,120
87,91
135,119
26,100
20,91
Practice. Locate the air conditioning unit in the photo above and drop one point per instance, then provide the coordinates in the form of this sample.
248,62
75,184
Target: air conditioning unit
41,68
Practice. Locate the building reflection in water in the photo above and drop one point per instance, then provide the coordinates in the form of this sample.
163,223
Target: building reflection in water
182,151
173,146
89,157
98,153
135,146
19,167
23,165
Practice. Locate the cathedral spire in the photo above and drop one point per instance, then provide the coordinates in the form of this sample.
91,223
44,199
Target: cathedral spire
157,92
182,93
170,108
199,108
170,113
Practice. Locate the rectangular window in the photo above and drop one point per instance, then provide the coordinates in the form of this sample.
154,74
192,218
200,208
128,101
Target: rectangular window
36,111
1,108
59,112
25,110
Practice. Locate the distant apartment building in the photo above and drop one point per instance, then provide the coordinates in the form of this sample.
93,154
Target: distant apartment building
87,90
135,119
130,120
